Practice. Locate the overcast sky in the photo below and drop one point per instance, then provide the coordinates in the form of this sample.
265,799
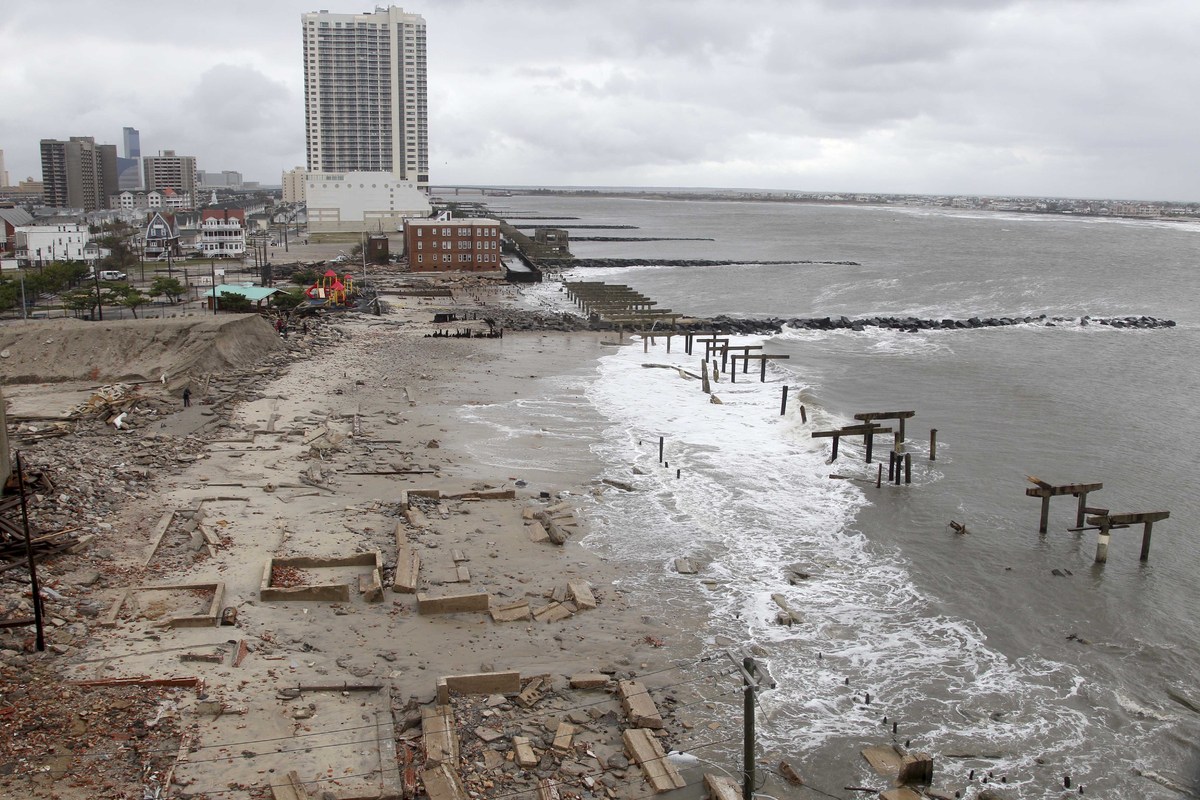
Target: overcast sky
1088,98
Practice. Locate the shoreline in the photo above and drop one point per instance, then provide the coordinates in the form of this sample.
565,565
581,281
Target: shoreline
295,469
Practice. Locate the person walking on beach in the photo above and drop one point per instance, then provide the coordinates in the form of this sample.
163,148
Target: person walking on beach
187,396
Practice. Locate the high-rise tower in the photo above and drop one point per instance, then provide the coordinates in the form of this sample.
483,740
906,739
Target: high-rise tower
365,93
78,173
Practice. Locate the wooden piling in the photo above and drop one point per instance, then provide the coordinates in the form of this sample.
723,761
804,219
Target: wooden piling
879,477
908,468
645,343
704,384
660,448
933,444
762,374
835,446
869,441
1042,523
891,466
783,403
803,415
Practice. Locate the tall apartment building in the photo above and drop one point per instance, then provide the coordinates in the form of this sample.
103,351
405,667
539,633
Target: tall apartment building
3,171
167,170
78,173
365,93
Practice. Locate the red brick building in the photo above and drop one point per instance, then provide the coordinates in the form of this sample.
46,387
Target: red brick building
453,245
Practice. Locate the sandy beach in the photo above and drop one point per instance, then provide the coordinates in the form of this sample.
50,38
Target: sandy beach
346,453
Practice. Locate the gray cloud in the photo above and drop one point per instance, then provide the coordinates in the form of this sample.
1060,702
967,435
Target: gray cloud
993,96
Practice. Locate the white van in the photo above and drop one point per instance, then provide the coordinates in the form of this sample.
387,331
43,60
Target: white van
111,275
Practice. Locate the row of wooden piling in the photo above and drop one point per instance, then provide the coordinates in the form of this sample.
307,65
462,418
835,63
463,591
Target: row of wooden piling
1093,518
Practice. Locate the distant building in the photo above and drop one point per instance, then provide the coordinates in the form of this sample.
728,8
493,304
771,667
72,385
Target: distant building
12,218
453,245
361,201
53,240
223,233
131,140
162,236
365,93
136,201
225,179
78,173
169,171
27,191
3,171
293,185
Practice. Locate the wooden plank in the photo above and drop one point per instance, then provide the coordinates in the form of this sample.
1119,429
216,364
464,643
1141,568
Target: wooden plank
554,612
160,530
408,564
462,574
868,416
643,747
638,705
390,784
485,683
589,680
900,793
548,790
408,571
290,789
884,760
852,430
512,612
722,787
442,782
452,603
1134,519
439,735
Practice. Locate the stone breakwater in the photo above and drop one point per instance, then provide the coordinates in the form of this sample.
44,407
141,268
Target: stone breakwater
911,324
518,320
572,263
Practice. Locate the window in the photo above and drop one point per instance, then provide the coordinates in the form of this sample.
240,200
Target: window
445,231
446,258
420,259
420,245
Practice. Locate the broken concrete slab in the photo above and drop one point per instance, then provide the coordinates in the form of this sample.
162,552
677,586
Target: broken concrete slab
512,612
638,705
478,683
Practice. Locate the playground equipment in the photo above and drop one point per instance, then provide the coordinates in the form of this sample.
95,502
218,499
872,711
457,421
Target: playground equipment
329,291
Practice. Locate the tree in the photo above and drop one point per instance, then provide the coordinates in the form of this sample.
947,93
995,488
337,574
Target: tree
234,303
131,298
79,301
287,299
305,277
169,288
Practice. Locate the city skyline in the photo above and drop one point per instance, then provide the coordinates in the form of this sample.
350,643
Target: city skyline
1063,98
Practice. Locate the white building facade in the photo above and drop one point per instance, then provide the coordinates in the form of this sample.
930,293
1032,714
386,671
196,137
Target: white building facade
42,244
365,93
362,201
223,233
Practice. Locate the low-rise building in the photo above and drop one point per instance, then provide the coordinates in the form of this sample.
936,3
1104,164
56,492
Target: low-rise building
53,240
11,218
223,233
162,236
453,245
361,202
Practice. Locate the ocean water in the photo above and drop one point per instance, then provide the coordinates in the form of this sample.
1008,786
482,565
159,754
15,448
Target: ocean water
970,644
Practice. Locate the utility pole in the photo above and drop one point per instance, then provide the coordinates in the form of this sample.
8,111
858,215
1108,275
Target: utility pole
33,580
755,678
